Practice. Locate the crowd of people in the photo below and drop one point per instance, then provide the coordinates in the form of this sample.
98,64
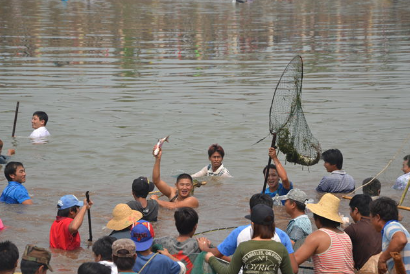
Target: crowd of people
369,245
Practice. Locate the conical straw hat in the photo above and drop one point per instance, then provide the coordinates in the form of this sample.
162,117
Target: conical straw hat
123,216
328,207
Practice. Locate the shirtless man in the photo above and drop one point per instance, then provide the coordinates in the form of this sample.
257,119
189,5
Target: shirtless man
180,195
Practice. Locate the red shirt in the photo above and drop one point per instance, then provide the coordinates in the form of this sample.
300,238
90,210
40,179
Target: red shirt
60,236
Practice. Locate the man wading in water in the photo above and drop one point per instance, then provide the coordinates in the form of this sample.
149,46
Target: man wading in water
180,195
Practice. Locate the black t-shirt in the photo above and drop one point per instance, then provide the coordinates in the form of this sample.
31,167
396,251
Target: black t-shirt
149,213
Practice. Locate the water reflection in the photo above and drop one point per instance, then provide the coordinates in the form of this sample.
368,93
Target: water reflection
114,76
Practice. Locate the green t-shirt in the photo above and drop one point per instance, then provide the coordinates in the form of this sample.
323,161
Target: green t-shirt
256,257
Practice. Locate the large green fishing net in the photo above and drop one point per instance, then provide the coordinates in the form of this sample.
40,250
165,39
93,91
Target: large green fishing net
287,120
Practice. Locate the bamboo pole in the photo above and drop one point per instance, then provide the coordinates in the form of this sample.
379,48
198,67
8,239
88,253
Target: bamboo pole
399,207
404,192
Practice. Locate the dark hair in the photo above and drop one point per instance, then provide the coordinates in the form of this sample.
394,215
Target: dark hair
264,231
186,219
300,206
184,176
407,158
10,169
66,212
260,198
41,116
9,255
123,263
1,144
271,166
386,208
30,267
216,148
93,268
362,202
103,247
325,222
333,157
372,189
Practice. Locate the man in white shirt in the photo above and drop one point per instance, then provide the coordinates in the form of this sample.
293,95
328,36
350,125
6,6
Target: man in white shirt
401,182
38,122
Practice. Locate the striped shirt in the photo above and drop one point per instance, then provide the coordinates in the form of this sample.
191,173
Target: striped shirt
388,231
338,258
299,228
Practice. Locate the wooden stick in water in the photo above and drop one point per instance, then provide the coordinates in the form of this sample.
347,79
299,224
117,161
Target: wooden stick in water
15,119
399,207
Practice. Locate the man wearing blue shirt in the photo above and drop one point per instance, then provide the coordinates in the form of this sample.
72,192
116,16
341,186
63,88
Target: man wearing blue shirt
276,172
15,192
244,233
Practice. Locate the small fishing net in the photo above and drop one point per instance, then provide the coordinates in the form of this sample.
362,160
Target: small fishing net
287,121
202,267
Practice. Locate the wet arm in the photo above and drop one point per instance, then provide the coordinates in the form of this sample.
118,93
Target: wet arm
78,219
397,244
156,177
307,249
279,168
27,202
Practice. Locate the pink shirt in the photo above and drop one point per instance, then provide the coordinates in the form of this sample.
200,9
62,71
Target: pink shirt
338,258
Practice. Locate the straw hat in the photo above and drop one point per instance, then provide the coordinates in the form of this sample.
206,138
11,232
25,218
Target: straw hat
123,216
328,207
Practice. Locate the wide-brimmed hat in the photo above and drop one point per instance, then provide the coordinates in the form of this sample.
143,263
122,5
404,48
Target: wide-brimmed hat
328,207
123,216
37,254
295,194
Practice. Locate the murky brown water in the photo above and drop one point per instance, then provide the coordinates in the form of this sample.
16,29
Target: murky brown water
116,75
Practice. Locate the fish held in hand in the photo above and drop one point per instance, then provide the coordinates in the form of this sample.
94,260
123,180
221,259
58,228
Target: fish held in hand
159,145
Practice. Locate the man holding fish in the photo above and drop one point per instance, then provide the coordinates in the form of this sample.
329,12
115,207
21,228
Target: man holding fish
180,195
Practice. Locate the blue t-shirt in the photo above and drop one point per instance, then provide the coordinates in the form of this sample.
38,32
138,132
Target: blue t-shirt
160,264
14,193
280,191
390,228
244,233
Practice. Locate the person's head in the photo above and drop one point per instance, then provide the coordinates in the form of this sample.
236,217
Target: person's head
333,159
359,206
260,198
372,189
262,219
39,119
1,145
93,268
9,256
406,164
184,185
382,210
123,254
35,260
141,187
273,177
216,155
123,217
186,220
143,235
68,206
295,201
14,171
326,211
102,248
